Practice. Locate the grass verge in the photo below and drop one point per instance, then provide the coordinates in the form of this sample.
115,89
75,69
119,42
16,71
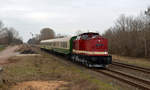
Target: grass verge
2,47
143,62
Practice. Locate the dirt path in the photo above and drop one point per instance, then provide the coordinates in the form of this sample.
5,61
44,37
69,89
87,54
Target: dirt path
7,53
41,85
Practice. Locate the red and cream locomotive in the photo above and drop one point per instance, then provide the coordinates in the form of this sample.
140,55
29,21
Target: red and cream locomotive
91,49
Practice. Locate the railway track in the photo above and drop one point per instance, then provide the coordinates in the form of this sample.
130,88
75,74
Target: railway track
145,70
126,78
140,83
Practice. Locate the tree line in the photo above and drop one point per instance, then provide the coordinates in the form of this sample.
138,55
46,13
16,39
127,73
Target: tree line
130,35
45,33
9,36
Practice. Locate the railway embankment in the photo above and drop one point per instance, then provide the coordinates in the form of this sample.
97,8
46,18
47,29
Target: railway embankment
42,71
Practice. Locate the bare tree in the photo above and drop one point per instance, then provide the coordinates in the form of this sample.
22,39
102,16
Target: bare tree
9,35
47,33
12,35
35,39
1,25
130,36
1,28
147,12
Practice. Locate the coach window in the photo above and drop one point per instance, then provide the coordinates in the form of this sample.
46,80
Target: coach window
65,44
57,44
53,43
61,44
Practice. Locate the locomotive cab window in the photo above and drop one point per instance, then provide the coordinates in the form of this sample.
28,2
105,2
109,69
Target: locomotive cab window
94,36
84,37
78,38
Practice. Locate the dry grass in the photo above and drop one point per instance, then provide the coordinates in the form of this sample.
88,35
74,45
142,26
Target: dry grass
48,68
2,47
23,48
144,62
40,85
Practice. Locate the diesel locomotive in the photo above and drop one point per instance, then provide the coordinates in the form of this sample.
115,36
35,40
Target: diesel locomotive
89,49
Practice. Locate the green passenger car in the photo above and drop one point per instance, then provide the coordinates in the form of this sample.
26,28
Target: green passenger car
60,45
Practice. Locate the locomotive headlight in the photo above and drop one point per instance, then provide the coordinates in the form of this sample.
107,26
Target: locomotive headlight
106,52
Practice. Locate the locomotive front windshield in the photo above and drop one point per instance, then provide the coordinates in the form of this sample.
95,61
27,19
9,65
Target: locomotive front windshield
87,36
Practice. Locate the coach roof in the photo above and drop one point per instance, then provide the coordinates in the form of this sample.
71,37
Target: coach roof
56,40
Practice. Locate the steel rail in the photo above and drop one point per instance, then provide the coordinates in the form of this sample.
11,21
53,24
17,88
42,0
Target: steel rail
131,76
130,82
145,70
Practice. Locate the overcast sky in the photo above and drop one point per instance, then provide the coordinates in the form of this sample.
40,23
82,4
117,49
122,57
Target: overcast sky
66,16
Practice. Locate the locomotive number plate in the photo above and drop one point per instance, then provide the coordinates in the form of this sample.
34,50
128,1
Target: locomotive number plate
99,45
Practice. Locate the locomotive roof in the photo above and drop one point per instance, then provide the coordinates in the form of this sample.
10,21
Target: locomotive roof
89,33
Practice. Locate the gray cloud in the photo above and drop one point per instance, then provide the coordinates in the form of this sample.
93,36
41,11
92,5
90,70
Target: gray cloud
66,16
